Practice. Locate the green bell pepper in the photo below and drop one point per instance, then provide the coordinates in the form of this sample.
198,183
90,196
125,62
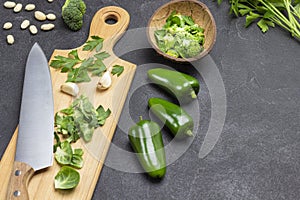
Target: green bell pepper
183,86
146,140
179,122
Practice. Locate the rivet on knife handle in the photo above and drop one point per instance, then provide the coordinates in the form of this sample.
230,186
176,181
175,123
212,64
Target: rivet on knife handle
19,179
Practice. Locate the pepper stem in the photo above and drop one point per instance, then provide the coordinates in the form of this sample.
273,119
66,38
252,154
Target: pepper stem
190,133
141,118
193,95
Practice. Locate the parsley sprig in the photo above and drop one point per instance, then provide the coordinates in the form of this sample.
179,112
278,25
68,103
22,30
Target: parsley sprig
78,70
117,70
269,13
95,43
66,64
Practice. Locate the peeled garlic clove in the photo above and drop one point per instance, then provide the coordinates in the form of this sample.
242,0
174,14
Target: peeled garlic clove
105,81
70,88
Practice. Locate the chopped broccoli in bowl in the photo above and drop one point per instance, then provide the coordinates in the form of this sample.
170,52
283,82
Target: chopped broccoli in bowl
180,37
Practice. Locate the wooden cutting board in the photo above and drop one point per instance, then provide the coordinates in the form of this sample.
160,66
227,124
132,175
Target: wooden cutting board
41,185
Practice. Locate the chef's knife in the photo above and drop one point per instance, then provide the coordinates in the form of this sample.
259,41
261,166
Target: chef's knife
36,125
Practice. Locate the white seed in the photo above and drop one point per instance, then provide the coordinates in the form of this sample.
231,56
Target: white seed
7,25
70,88
25,24
105,81
9,4
40,16
18,8
47,27
50,1
30,7
51,16
33,30
10,39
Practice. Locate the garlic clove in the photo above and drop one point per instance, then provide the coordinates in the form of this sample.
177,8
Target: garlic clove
105,81
70,88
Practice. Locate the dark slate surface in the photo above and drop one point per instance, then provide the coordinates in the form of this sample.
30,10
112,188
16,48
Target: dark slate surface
257,155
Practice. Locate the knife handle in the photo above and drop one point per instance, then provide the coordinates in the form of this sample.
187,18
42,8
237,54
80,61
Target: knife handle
19,179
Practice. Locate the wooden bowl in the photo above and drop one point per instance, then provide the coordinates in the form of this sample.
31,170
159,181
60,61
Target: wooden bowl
200,14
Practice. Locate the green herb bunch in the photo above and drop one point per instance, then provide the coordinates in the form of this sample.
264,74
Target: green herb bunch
93,64
269,13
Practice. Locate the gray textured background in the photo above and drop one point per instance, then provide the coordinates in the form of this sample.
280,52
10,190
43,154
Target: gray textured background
257,156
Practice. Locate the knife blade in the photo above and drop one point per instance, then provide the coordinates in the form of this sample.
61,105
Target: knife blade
36,124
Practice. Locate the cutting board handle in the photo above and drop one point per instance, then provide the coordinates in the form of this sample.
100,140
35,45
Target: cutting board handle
111,32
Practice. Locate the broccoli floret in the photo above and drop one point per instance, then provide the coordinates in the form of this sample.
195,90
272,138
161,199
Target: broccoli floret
169,41
193,49
188,45
75,3
72,13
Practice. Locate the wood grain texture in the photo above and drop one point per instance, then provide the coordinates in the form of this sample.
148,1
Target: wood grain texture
19,179
200,14
41,185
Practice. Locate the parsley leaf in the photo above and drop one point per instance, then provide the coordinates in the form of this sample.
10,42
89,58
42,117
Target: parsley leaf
102,55
78,75
64,63
117,70
250,18
98,68
87,63
264,25
74,55
95,43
